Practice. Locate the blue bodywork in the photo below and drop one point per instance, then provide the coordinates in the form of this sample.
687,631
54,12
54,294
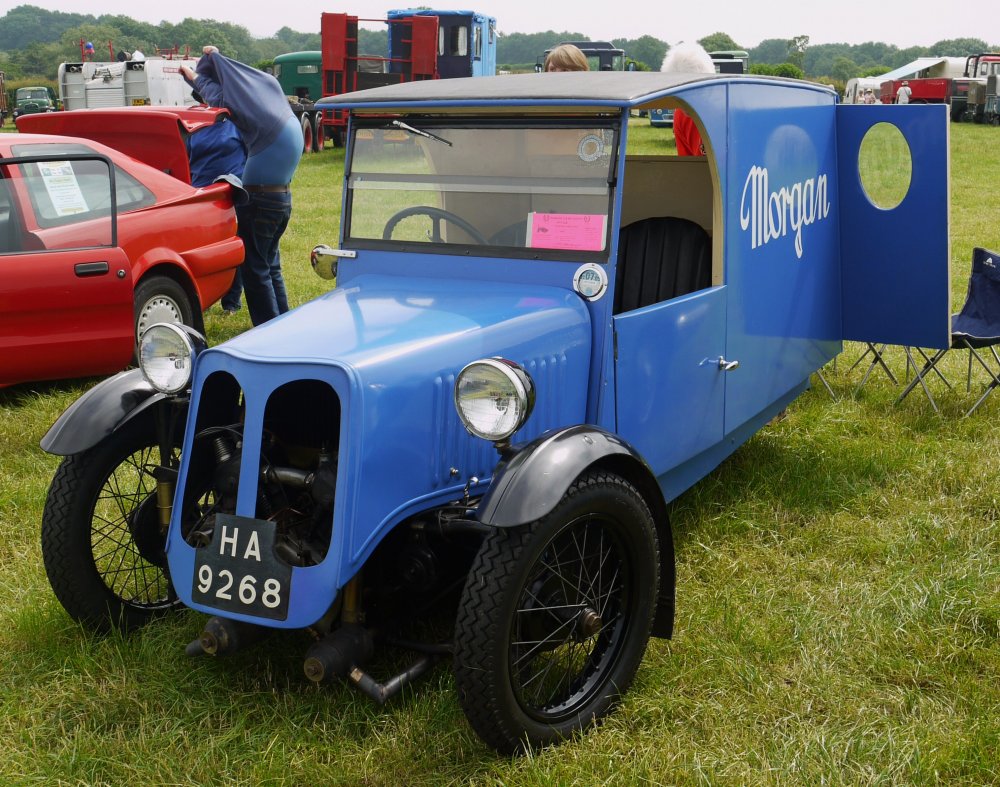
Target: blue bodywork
801,261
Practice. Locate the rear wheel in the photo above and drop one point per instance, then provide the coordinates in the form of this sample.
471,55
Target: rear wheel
307,134
161,299
102,544
319,135
555,616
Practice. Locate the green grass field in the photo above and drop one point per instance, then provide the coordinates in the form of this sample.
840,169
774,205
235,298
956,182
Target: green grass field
838,607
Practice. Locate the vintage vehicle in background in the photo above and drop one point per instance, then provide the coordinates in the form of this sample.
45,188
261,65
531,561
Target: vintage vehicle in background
981,106
467,448
942,84
984,102
97,242
731,61
33,101
601,55
854,89
130,83
420,44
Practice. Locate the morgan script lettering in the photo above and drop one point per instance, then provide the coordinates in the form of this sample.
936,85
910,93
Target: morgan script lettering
770,214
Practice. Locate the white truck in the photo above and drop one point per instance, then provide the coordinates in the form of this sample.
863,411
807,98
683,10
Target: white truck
150,82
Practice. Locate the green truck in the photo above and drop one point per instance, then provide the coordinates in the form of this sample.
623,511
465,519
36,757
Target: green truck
31,100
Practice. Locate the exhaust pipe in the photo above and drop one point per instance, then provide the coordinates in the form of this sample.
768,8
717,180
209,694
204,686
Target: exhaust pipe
222,635
337,653
341,653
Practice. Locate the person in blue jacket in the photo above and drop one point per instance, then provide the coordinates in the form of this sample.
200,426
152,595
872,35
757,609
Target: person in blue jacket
215,151
259,109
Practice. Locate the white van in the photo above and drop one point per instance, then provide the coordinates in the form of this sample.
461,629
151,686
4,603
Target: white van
855,88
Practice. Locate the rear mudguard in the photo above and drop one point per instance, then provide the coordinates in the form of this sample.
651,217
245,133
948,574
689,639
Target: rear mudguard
529,484
100,411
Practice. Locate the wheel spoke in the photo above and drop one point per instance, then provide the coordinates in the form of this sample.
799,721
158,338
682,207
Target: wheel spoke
552,637
116,556
553,661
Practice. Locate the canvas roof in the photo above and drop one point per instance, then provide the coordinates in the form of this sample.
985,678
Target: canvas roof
590,88
911,69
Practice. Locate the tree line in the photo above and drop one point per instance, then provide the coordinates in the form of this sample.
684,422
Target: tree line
33,41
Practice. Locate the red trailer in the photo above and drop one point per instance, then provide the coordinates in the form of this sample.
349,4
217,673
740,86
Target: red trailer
414,58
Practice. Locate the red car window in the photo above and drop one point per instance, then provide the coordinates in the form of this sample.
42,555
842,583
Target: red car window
78,190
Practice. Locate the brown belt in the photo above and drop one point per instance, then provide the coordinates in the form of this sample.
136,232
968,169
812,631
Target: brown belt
266,189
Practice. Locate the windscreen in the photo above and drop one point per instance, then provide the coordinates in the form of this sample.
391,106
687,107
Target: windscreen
540,190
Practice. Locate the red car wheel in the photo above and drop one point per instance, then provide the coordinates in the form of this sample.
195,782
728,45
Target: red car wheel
160,299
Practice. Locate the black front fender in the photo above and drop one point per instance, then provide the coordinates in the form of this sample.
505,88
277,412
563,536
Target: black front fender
99,412
528,486
531,483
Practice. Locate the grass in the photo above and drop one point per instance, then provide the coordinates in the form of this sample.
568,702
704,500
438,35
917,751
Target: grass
838,608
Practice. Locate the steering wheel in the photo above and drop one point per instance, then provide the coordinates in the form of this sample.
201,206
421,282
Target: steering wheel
437,215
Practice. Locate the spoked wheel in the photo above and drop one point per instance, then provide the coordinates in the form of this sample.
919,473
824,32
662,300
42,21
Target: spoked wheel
556,615
102,544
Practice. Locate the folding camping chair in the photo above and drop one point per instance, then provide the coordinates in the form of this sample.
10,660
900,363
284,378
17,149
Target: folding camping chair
877,352
975,327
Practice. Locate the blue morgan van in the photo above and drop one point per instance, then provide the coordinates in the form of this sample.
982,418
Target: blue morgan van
466,449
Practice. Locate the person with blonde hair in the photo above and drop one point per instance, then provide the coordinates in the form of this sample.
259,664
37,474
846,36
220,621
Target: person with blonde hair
566,57
689,59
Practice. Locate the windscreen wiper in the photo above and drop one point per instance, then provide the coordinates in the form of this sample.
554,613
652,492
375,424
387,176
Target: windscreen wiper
419,132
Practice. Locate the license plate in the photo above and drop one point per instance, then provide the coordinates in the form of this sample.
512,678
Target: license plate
238,571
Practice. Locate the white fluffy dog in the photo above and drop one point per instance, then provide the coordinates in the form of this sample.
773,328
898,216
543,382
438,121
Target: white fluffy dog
689,59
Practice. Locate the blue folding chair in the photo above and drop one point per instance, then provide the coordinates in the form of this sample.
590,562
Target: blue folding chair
975,327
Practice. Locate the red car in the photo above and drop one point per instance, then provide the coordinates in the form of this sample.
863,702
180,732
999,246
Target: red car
82,274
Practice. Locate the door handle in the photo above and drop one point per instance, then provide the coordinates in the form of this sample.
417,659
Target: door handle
84,269
727,366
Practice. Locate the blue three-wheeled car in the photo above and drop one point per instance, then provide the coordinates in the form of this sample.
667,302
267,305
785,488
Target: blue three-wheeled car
536,341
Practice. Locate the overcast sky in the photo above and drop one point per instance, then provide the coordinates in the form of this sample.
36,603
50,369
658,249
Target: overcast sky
904,24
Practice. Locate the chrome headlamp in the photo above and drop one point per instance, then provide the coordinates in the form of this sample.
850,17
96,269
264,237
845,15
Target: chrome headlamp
494,397
166,356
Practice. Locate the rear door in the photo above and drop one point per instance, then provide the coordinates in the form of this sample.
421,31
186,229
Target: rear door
895,282
65,285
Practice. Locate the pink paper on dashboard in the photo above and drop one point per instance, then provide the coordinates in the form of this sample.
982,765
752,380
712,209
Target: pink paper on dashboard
572,231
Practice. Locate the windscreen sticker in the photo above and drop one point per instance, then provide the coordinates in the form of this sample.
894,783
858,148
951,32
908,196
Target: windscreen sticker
62,187
571,231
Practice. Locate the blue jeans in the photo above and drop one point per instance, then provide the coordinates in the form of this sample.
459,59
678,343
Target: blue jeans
261,223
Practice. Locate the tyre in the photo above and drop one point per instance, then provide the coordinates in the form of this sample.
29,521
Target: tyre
555,616
160,299
319,134
102,545
307,134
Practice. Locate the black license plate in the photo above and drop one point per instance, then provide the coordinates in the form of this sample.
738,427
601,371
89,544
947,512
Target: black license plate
238,571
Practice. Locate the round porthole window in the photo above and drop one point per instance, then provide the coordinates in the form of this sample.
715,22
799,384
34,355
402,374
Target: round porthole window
885,165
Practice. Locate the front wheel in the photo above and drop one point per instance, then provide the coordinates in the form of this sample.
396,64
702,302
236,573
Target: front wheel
555,616
102,545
